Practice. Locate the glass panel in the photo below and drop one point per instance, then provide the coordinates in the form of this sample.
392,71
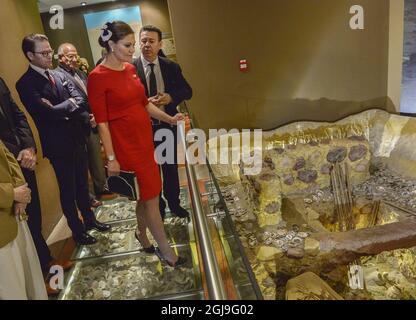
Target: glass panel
132,276
242,276
116,210
121,237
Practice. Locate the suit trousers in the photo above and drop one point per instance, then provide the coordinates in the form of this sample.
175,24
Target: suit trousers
96,164
72,175
35,221
171,189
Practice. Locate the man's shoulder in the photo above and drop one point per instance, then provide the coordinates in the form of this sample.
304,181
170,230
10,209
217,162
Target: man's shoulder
168,62
26,77
3,85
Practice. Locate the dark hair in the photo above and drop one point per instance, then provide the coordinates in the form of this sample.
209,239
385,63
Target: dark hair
119,30
150,28
29,43
161,54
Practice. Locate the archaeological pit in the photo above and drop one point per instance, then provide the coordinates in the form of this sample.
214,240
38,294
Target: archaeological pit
332,213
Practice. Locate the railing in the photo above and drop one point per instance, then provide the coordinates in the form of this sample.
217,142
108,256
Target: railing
226,215
215,283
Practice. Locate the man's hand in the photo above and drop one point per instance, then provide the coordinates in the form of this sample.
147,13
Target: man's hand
22,194
92,121
162,99
47,102
27,159
19,209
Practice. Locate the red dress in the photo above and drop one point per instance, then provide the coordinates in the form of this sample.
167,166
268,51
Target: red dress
118,97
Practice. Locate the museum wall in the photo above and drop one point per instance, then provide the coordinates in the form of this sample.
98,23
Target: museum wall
22,18
305,62
396,49
154,12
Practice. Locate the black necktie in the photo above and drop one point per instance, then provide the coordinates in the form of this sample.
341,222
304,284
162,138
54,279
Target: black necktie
152,81
51,79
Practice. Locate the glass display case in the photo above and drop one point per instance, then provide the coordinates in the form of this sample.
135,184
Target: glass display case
115,268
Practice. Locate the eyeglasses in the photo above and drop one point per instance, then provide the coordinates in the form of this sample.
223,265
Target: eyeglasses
46,54
71,57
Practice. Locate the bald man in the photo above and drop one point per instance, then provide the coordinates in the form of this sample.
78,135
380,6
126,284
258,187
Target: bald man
68,56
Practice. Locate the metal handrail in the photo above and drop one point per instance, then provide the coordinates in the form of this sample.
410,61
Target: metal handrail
215,283
246,262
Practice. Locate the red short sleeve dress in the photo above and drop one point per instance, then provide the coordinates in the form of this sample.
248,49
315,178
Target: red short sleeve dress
118,97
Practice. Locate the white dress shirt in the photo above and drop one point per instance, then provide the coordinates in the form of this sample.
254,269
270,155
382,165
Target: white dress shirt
40,70
158,73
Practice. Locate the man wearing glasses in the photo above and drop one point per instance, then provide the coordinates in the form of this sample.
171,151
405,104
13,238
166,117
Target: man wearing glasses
63,124
68,66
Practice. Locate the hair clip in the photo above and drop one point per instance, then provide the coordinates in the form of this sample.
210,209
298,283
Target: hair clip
105,33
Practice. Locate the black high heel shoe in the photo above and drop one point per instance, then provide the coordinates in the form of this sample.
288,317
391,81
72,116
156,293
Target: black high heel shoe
180,262
149,250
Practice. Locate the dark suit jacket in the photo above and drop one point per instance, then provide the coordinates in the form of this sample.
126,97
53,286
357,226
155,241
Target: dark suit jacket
14,128
175,83
64,126
84,77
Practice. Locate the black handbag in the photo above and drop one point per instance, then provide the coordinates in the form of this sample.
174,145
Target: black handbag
124,184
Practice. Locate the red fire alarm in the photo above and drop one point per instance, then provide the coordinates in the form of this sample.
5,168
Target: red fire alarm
243,65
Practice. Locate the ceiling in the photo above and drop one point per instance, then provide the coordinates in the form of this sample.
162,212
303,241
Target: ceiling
44,5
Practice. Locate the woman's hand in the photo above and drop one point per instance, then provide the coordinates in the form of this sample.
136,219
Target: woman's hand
22,194
178,117
113,168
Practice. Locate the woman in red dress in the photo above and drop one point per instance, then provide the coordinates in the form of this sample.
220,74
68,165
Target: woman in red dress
122,111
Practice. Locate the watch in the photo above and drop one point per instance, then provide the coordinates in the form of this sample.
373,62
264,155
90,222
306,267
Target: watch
111,157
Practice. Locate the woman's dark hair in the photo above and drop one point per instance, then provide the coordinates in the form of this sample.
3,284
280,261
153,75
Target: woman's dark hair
29,42
118,30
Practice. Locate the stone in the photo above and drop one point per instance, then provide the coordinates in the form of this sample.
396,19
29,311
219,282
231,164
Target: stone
337,154
308,176
257,186
312,214
291,146
357,138
269,253
286,162
311,246
309,286
326,168
272,208
268,177
325,141
315,157
313,143
279,150
357,152
268,283
288,179
299,164
268,163
362,166
295,253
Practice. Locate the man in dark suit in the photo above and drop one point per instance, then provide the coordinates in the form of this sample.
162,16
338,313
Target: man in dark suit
68,54
18,138
63,126
166,88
